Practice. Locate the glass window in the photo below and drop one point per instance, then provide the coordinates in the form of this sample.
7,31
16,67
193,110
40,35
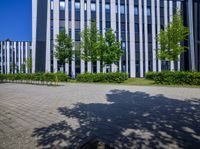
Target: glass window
107,7
122,9
62,23
136,12
137,28
62,5
77,34
149,28
61,29
148,11
69,10
93,7
77,6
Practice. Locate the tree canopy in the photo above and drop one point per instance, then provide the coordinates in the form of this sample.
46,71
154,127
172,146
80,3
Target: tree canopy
109,48
170,39
64,48
89,40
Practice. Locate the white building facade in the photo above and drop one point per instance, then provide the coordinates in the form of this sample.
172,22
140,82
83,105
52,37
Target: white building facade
135,22
13,56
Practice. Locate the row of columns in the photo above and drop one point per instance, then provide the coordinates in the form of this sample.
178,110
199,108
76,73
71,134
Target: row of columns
130,53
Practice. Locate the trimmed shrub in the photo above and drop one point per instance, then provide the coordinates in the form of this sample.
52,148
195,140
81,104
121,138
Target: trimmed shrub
38,77
49,77
174,78
2,77
103,77
61,77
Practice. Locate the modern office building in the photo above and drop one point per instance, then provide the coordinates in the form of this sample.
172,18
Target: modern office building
136,23
13,56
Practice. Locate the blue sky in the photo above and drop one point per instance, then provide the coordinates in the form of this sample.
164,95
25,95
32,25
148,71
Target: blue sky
15,20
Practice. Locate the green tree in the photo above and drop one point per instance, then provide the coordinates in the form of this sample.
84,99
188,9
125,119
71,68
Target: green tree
29,64
22,68
12,67
64,48
109,49
170,39
89,40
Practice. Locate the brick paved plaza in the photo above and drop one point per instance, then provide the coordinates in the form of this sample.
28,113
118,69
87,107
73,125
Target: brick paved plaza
121,116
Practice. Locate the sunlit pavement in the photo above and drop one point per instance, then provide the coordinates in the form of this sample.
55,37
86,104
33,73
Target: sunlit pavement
122,116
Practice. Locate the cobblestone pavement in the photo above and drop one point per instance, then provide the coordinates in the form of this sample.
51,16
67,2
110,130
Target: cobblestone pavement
121,116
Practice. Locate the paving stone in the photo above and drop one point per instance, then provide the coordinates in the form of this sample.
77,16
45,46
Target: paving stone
125,117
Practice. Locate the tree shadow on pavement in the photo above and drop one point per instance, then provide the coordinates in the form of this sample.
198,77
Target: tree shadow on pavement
128,120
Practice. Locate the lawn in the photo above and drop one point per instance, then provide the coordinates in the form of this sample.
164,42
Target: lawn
130,81
145,82
138,81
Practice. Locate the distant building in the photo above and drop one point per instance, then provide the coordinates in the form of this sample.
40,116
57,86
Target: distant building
136,23
13,56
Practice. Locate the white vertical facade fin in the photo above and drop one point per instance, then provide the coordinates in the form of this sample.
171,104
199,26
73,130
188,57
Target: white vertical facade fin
34,26
103,23
1,58
119,33
15,57
146,37
48,38
56,29
191,29
8,56
158,31
126,33
1,66
82,23
103,17
132,39
170,20
73,71
153,35
165,14
178,5
141,39
113,25
26,56
22,56
5,64
98,27
67,17
19,56
67,31
89,64
1,61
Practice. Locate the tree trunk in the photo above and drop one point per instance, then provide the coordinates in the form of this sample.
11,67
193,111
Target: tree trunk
63,66
92,70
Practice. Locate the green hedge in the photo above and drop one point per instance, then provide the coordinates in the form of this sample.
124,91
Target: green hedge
103,77
174,78
42,77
